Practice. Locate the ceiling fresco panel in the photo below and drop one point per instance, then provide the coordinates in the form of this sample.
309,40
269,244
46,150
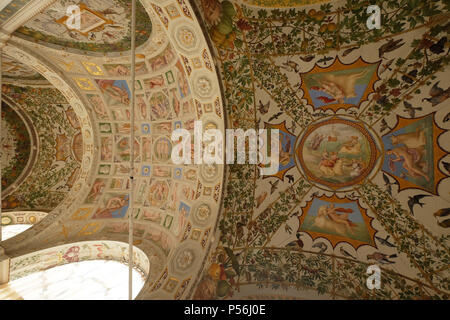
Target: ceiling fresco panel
105,26
363,119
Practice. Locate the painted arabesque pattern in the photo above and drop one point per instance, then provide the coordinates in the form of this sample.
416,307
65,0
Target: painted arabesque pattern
264,56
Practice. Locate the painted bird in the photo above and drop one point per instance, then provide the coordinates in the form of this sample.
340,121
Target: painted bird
321,246
325,59
387,66
445,223
293,126
276,116
352,196
346,253
416,200
424,44
447,117
381,257
295,214
385,242
446,165
296,243
384,125
410,109
73,35
263,108
273,186
349,50
437,94
410,76
320,114
315,194
391,45
415,65
388,184
308,58
260,199
438,47
288,228
240,229
290,178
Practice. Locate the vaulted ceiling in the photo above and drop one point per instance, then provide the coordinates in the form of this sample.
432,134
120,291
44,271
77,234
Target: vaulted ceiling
363,117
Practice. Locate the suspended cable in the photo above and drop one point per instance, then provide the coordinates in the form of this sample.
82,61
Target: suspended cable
130,198
1,97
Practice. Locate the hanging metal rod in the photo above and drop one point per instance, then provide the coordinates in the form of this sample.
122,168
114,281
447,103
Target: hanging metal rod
130,198
1,97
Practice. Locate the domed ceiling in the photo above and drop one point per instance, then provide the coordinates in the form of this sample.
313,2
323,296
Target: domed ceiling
15,70
104,26
363,117
175,206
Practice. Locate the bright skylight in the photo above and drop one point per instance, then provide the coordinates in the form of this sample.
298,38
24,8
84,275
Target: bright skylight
14,229
86,280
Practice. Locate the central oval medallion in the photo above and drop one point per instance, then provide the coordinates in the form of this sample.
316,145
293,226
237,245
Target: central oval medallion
337,152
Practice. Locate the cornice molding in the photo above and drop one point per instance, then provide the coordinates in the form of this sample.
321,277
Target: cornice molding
4,37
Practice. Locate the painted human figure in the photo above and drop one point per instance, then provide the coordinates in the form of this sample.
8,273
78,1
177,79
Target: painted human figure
113,205
331,211
106,149
182,219
142,106
146,148
409,159
285,152
97,190
117,93
328,159
162,149
159,108
99,106
329,218
120,70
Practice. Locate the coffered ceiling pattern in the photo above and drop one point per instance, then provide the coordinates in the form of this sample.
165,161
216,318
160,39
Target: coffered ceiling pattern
175,206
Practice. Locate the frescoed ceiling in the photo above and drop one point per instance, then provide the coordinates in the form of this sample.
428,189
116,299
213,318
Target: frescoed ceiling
15,70
52,157
16,145
104,26
175,206
363,117
363,175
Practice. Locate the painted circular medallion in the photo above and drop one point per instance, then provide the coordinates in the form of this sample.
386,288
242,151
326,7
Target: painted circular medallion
337,153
